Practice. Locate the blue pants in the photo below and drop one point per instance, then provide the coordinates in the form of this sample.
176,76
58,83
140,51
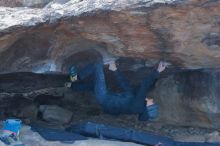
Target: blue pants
98,85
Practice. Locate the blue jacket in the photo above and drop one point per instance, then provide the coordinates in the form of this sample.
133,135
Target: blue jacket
127,102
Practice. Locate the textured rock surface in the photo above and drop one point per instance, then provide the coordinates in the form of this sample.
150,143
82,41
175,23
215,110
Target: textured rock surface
24,3
55,114
189,97
140,32
186,34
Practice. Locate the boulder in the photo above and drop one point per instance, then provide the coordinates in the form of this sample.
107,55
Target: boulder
55,114
184,33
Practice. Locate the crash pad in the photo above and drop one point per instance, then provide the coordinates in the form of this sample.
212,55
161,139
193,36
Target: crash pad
56,134
103,131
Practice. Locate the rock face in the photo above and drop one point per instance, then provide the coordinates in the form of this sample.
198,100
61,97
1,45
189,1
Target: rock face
186,34
55,114
24,3
139,32
189,97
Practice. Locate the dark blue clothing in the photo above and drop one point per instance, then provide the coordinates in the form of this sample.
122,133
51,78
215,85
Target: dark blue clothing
117,103
123,134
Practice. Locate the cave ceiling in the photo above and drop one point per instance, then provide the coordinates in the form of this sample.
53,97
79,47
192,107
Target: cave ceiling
51,37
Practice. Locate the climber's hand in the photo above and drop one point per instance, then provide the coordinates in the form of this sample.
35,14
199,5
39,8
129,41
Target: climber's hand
162,66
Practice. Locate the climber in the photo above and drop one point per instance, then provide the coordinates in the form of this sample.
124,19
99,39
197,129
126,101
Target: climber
126,102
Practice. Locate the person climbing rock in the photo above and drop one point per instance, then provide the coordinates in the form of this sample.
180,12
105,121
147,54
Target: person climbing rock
126,102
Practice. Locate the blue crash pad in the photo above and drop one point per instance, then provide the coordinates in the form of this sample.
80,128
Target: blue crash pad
195,144
57,135
109,132
122,134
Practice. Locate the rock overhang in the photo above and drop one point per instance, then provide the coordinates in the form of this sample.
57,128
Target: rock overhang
183,33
